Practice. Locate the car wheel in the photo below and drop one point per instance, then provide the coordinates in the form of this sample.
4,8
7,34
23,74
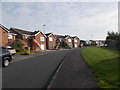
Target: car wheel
6,62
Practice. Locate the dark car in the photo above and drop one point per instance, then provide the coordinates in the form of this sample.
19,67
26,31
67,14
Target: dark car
10,49
5,57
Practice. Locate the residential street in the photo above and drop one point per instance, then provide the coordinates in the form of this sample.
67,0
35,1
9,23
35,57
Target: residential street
37,72
34,72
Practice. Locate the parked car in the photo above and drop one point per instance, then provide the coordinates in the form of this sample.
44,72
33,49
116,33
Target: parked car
10,49
5,57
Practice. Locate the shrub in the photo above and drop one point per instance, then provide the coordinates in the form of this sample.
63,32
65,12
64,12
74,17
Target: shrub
18,45
25,51
113,40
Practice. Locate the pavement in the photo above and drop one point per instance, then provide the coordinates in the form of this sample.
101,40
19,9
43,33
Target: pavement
38,71
73,73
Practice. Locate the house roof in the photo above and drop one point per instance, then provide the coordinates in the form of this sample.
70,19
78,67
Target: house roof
22,31
74,37
4,28
60,36
47,34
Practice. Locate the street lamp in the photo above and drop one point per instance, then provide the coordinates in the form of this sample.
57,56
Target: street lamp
44,28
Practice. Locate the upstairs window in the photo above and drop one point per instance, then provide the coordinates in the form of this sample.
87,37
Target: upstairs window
69,40
42,39
9,36
50,38
75,40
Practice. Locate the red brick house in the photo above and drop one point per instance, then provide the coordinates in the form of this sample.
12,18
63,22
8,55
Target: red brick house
76,42
6,36
39,41
68,40
32,40
3,35
50,41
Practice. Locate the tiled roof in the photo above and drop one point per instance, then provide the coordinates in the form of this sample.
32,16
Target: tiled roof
4,28
47,34
74,37
24,31
60,36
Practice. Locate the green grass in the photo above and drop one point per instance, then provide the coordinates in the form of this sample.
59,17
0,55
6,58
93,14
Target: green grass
103,62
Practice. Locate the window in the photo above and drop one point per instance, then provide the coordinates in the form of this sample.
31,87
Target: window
41,38
50,39
75,40
69,40
9,36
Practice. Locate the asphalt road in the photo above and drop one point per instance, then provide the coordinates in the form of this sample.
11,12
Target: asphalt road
74,73
34,72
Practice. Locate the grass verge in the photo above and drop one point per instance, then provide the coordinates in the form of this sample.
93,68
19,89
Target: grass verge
103,62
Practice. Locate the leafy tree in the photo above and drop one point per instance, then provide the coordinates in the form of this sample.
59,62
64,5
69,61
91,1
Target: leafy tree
113,40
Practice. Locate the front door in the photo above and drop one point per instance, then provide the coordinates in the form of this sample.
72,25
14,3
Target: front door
42,46
76,46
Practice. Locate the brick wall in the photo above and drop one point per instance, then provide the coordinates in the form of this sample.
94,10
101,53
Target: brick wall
37,38
3,37
70,44
78,42
51,44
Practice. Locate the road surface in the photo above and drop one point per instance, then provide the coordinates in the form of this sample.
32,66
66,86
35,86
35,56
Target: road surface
38,71
34,72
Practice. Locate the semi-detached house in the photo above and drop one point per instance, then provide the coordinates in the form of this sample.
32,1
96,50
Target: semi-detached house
6,36
50,41
32,40
3,36
76,42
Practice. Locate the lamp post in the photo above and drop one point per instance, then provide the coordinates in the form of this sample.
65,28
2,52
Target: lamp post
44,28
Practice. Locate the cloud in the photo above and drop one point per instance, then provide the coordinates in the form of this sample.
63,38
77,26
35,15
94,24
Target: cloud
86,20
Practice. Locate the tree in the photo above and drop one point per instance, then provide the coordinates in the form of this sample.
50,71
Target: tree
113,40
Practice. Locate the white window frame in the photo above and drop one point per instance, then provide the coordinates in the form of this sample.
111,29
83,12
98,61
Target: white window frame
75,40
50,39
69,40
9,36
42,39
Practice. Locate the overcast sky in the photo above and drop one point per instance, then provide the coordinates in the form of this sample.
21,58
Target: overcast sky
87,20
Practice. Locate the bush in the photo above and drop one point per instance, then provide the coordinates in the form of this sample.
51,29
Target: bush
113,40
25,52
68,47
18,45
